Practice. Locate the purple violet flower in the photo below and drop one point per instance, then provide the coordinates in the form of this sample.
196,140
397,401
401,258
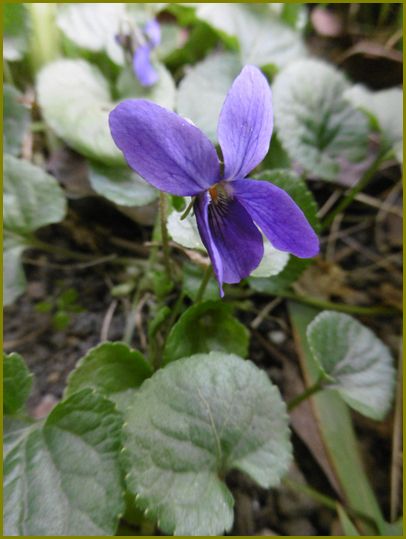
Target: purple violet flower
176,157
142,65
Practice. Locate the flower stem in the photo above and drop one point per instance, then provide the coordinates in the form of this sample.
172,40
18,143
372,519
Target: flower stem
358,187
188,210
36,243
376,310
163,215
306,394
203,284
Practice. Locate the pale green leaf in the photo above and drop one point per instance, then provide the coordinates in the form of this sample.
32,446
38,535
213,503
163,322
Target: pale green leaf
112,368
358,364
62,477
17,382
192,422
31,198
141,12
94,26
386,108
262,37
16,119
185,231
203,90
272,263
15,27
205,327
13,273
121,185
316,125
76,101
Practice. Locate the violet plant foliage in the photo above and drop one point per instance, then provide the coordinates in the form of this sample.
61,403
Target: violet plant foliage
176,157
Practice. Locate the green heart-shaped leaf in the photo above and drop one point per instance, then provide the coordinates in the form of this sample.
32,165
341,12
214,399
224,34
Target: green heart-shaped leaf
357,363
94,27
316,125
386,109
206,327
17,382
113,369
263,39
192,422
31,199
76,101
62,477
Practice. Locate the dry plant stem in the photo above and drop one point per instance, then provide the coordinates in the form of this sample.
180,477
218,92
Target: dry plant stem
89,260
163,216
358,187
203,284
134,310
104,334
130,321
317,386
396,461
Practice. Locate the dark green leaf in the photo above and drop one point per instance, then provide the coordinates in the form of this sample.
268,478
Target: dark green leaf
206,327
112,368
17,382
15,25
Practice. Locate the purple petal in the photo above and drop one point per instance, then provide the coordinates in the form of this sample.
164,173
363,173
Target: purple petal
232,240
245,125
202,219
143,68
278,216
153,31
167,151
